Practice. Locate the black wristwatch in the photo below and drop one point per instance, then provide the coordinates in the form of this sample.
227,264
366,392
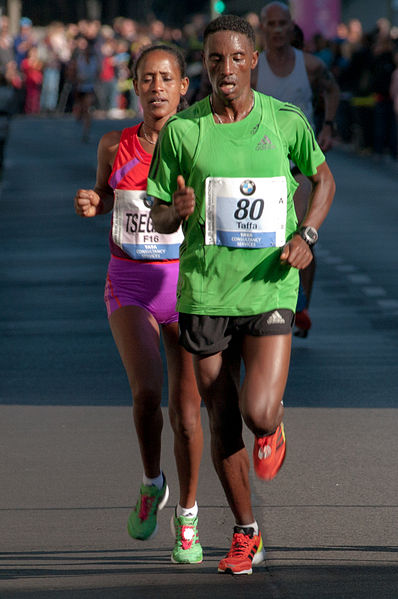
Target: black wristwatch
309,234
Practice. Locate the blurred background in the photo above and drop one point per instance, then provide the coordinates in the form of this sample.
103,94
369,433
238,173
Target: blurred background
42,43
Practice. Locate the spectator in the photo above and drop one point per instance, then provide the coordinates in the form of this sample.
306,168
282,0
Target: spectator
321,48
383,65
24,41
355,81
52,51
6,45
85,68
7,107
32,70
106,88
394,89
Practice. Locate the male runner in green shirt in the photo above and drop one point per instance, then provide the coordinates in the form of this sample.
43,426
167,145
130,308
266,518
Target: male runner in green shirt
222,169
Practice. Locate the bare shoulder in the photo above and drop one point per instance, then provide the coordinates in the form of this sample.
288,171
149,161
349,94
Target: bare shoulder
108,146
314,65
110,140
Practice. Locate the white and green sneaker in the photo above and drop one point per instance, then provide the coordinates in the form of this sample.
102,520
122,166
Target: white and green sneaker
142,523
187,549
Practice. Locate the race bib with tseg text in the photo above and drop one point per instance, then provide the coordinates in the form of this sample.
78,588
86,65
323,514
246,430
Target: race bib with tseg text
133,232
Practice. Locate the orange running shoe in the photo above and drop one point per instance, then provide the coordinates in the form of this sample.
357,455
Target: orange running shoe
246,551
269,453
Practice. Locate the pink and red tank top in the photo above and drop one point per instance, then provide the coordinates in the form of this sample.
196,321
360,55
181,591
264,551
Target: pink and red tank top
132,235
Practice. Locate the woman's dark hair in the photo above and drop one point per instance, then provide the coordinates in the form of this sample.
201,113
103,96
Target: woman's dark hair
230,23
174,51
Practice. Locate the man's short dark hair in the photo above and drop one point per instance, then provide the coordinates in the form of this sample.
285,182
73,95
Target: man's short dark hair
230,23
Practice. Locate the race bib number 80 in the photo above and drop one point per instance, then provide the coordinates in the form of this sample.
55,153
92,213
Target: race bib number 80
246,213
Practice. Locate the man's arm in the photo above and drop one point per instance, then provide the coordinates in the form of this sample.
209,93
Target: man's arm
166,217
297,252
323,83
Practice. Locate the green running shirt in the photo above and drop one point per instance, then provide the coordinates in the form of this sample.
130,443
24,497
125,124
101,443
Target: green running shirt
220,280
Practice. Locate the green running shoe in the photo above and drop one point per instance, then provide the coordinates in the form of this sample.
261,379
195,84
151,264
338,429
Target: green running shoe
142,523
187,549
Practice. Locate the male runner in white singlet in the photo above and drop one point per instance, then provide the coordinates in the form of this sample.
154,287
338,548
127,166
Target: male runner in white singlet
294,76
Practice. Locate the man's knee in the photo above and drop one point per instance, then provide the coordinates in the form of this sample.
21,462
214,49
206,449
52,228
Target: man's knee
263,418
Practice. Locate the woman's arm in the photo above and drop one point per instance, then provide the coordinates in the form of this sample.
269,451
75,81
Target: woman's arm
91,202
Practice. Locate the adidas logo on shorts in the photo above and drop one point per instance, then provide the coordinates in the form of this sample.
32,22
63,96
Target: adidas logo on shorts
276,318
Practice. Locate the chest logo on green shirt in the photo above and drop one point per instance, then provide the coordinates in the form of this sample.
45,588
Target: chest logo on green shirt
265,144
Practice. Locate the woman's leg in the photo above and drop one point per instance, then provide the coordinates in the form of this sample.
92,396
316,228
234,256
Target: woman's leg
136,335
184,413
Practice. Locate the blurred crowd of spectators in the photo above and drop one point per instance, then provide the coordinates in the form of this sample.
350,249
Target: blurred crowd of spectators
43,71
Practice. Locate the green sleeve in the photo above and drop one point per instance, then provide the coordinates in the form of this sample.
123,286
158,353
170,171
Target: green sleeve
165,166
303,148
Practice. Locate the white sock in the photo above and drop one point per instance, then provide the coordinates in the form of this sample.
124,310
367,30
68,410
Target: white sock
252,525
158,481
187,512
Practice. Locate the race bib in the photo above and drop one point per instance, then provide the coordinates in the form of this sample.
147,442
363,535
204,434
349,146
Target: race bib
133,232
246,213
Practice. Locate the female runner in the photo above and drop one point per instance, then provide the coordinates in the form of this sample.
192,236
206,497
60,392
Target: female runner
140,296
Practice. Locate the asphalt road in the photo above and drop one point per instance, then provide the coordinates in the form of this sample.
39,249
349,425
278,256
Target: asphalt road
69,468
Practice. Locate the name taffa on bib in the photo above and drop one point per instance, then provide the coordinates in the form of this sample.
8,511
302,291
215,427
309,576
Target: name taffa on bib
246,213
133,232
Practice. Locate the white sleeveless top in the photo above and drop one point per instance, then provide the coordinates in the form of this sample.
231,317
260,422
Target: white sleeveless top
295,88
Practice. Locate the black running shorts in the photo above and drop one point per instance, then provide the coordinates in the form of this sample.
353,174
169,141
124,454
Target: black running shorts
207,335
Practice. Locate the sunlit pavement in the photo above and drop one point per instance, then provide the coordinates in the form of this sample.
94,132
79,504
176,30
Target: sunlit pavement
70,469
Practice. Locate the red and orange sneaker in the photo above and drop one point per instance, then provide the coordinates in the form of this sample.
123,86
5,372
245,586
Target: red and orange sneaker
269,453
246,551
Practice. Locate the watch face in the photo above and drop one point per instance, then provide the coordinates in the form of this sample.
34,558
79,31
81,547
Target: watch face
312,234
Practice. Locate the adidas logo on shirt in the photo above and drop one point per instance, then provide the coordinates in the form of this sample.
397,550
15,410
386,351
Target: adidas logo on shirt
276,318
265,144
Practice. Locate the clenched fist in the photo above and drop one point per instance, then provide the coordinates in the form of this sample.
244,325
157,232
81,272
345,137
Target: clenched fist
87,203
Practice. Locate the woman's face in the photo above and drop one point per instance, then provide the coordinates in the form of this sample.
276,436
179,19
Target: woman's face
159,84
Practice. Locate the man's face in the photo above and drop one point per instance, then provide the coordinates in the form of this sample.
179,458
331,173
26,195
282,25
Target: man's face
277,26
229,58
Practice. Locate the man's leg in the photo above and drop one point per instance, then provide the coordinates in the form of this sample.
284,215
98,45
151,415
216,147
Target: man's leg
266,362
267,365
218,382
218,378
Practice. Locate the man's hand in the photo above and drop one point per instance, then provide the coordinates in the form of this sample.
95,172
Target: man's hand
325,137
183,199
296,253
87,203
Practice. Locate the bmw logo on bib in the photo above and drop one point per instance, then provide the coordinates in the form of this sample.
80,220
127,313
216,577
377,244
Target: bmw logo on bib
248,187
